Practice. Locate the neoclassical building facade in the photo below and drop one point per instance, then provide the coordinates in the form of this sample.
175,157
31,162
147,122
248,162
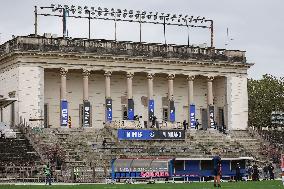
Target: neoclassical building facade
89,83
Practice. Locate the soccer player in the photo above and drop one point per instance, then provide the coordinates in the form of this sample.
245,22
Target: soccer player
217,170
47,172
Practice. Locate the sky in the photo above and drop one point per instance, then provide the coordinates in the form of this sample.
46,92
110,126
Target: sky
256,26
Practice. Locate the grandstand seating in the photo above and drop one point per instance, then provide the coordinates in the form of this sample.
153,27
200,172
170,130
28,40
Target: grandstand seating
18,158
91,150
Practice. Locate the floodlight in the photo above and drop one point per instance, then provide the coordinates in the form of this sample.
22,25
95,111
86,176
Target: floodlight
118,10
130,11
106,9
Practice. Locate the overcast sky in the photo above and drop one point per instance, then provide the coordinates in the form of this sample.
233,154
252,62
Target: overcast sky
256,26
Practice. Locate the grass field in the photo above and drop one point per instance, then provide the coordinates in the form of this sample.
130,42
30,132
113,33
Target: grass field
209,185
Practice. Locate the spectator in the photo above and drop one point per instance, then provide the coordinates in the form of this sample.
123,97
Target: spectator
184,124
255,173
265,172
271,171
196,124
250,171
238,173
154,121
217,171
47,172
283,176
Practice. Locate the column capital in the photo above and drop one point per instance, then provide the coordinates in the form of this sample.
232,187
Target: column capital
86,73
190,77
129,75
171,76
107,73
150,75
210,78
63,71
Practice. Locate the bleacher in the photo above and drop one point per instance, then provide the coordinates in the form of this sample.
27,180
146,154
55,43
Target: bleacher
18,159
91,150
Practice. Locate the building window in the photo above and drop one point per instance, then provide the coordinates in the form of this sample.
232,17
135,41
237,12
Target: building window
81,114
46,116
124,112
13,114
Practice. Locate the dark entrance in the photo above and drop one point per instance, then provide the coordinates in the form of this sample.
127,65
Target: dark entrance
204,118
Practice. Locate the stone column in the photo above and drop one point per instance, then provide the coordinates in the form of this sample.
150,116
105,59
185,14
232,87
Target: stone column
150,86
190,90
129,76
86,74
171,86
63,92
191,104
107,84
210,90
130,103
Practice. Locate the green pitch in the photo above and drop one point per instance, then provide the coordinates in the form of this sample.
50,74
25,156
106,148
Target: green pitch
209,185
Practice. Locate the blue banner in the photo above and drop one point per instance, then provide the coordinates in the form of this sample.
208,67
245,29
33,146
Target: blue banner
130,108
172,111
109,109
125,134
211,117
151,109
192,115
64,113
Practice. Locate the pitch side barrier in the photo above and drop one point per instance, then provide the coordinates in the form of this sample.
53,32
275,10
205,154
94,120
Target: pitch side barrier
179,169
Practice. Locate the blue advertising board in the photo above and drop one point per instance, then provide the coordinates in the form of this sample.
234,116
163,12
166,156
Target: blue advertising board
151,109
126,134
172,111
192,115
109,109
130,109
64,113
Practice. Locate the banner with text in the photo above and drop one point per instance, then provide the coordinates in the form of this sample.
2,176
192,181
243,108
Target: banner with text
87,114
125,134
211,117
151,109
192,116
109,109
64,113
130,109
172,111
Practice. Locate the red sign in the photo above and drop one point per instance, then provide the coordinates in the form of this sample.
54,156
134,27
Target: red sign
154,174
282,162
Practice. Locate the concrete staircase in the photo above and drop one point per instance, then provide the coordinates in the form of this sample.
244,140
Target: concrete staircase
92,150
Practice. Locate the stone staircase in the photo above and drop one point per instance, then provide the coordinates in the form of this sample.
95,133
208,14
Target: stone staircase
92,150
18,158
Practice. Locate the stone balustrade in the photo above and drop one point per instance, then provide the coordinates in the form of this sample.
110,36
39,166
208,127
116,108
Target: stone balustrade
126,48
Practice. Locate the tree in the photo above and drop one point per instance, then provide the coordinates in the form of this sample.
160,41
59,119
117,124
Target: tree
264,96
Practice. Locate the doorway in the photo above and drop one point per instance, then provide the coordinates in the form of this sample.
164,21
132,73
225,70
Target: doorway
204,119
